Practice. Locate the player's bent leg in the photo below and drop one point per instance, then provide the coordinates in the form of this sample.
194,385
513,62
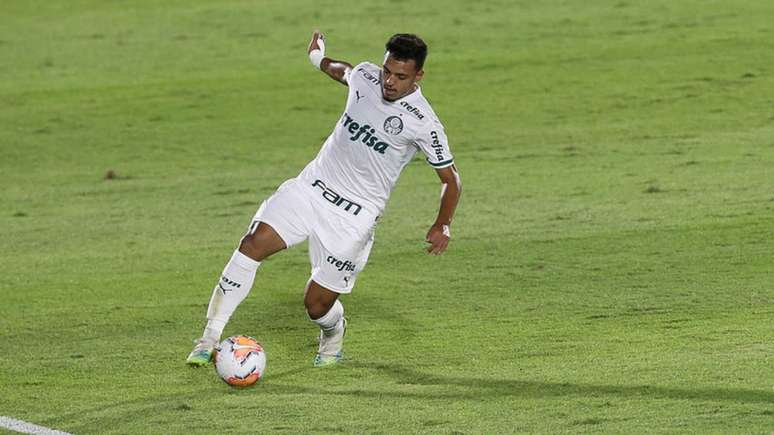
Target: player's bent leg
324,309
261,243
318,300
233,287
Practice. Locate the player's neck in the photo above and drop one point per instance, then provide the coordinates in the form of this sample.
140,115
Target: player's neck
414,89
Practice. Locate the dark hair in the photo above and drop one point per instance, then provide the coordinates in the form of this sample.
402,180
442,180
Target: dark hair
405,46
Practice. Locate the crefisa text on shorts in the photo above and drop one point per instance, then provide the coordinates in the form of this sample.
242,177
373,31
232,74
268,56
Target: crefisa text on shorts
341,265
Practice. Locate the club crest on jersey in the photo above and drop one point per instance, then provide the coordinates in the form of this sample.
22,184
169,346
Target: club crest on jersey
393,125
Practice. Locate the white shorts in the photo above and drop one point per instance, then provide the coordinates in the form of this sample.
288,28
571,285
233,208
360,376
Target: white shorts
339,240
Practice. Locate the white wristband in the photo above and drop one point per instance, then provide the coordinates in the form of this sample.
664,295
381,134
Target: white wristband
316,56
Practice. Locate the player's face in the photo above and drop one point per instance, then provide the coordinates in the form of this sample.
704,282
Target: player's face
399,77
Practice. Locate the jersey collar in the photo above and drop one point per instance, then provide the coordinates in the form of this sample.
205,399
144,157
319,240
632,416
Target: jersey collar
411,96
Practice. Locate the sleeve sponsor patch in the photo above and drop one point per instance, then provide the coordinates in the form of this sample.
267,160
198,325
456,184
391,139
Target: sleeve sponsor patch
435,146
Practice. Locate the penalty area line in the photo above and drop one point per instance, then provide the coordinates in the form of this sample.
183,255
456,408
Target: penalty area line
24,427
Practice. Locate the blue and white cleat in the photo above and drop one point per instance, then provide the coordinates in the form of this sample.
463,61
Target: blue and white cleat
202,353
326,360
329,352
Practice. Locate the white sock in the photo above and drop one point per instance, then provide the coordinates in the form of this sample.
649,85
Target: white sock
332,320
232,288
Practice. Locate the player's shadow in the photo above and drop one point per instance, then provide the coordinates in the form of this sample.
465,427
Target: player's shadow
474,387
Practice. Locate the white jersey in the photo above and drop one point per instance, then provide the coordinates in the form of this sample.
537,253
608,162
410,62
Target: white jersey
360,162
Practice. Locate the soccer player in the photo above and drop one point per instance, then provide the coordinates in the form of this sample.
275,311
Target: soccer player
336,201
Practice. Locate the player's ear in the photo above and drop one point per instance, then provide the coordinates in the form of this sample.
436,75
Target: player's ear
420,74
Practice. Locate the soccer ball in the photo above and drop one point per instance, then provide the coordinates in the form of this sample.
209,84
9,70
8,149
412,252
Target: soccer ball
240,361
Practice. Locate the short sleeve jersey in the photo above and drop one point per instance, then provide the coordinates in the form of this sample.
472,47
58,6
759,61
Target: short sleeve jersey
375,139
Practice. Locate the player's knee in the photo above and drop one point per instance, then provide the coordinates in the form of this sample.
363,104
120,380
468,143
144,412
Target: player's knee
251,246
261,243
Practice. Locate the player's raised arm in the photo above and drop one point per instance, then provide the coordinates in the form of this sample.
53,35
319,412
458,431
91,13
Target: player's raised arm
337,69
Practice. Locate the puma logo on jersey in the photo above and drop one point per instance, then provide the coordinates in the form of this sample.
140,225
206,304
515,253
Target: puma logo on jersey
367,133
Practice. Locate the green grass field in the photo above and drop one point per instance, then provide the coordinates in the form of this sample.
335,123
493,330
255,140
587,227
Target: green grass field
611,269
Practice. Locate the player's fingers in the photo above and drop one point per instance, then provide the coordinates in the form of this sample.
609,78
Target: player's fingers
438,242
438,246
442,246
314,44
433,245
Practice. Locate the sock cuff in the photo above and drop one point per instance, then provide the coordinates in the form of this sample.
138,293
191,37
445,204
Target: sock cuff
332,317
244,261
214,329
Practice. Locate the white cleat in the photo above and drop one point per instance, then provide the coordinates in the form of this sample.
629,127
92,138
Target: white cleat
202,353
329,353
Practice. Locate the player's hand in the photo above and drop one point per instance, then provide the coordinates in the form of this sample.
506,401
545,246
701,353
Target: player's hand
314,44
438,237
